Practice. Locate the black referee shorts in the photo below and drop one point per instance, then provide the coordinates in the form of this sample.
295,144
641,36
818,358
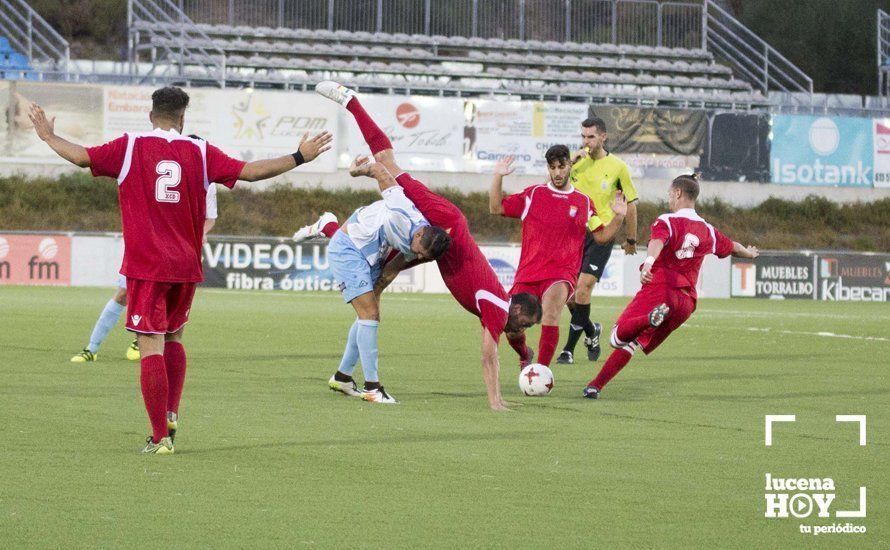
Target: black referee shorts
596,256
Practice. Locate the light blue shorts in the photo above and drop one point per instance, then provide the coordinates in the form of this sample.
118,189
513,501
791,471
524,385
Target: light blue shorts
122,282
351,270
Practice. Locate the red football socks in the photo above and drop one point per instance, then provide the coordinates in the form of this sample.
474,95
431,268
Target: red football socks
547,344
174,357
154,392
329,229
518,344
613,366
374,136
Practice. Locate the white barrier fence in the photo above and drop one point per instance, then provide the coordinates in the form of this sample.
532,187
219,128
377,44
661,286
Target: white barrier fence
266,263
257,263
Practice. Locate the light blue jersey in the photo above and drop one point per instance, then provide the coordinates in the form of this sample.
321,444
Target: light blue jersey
386,224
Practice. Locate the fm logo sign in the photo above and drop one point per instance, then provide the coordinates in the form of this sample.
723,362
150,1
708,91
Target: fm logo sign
804,497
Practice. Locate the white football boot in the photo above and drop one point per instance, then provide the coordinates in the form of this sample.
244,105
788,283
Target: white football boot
378,396
348,388
314,229
335,91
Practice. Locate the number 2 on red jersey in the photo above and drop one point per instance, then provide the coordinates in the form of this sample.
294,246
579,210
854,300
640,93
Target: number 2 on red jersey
170,176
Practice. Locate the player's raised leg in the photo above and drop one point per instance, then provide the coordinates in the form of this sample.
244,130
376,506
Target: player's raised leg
552,302
645,323
375,137
107,320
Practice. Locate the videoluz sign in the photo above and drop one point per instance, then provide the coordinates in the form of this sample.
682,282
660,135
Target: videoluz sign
266,264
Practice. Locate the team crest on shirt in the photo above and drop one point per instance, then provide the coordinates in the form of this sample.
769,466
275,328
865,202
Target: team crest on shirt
573,210
604,184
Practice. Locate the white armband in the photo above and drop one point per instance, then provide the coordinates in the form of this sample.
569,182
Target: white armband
649,261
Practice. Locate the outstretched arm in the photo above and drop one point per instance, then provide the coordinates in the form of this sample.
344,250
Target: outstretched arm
504,167
490,372
652,252
269,168
392,270
45,128
740,251
619,207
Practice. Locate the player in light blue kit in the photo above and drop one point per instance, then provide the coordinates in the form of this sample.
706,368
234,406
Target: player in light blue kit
118,303
357,253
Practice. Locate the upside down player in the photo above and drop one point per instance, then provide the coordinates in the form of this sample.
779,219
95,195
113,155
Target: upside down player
678,244
555,218
356,255
464,268
163,178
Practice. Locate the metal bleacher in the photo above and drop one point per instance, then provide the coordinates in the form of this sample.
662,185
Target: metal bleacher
690,54
667,64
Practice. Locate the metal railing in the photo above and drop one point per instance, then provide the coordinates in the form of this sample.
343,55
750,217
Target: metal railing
750,56
637,22
172,41
883,53
32,36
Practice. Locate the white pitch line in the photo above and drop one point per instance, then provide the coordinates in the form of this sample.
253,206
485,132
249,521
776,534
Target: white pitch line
793,332
821,334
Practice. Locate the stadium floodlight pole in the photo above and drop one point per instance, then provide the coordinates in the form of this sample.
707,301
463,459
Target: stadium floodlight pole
568,34
704,24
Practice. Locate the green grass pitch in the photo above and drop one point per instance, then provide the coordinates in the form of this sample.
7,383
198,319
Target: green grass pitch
673,456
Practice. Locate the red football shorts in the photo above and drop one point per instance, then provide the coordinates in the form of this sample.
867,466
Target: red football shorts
682,305
538,288
158,308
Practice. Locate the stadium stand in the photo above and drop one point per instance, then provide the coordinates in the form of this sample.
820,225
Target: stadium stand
441,65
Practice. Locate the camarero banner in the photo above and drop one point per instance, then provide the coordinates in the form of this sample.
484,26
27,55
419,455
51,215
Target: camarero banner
524,129
854,277
775,275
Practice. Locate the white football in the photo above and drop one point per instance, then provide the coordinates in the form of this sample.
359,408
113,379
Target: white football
536,379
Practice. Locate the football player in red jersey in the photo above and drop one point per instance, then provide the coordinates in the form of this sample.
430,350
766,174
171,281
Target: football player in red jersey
163,177
464,268
554,218
678,244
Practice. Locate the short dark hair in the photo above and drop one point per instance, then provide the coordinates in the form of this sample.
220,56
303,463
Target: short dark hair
594,122
688,185
435,241
169,101
528,305
557,153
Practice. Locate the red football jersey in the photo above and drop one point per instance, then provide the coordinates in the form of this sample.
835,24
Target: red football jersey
687,240
162,183
464,268
554,225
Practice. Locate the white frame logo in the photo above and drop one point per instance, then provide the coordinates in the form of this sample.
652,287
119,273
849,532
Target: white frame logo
802,497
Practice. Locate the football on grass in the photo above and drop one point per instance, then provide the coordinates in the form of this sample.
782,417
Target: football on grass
536,379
